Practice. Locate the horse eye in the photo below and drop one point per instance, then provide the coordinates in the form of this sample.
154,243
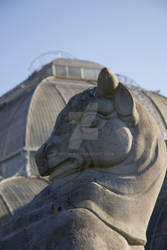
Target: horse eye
75,116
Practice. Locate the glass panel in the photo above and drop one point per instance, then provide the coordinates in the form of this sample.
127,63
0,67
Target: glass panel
91,73
14,165
61,71
74,72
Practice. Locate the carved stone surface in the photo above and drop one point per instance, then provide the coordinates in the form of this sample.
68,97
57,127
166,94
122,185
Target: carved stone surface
106,158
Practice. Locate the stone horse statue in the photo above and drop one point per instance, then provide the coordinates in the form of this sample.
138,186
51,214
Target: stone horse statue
106,159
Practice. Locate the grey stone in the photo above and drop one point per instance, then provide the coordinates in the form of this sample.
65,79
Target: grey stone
106,158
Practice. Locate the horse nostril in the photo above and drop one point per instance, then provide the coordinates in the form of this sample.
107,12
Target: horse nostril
57,209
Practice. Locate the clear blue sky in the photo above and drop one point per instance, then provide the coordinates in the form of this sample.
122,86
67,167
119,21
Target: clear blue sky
128,36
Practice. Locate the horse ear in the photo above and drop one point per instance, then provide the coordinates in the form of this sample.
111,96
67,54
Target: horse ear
107,83
124,104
